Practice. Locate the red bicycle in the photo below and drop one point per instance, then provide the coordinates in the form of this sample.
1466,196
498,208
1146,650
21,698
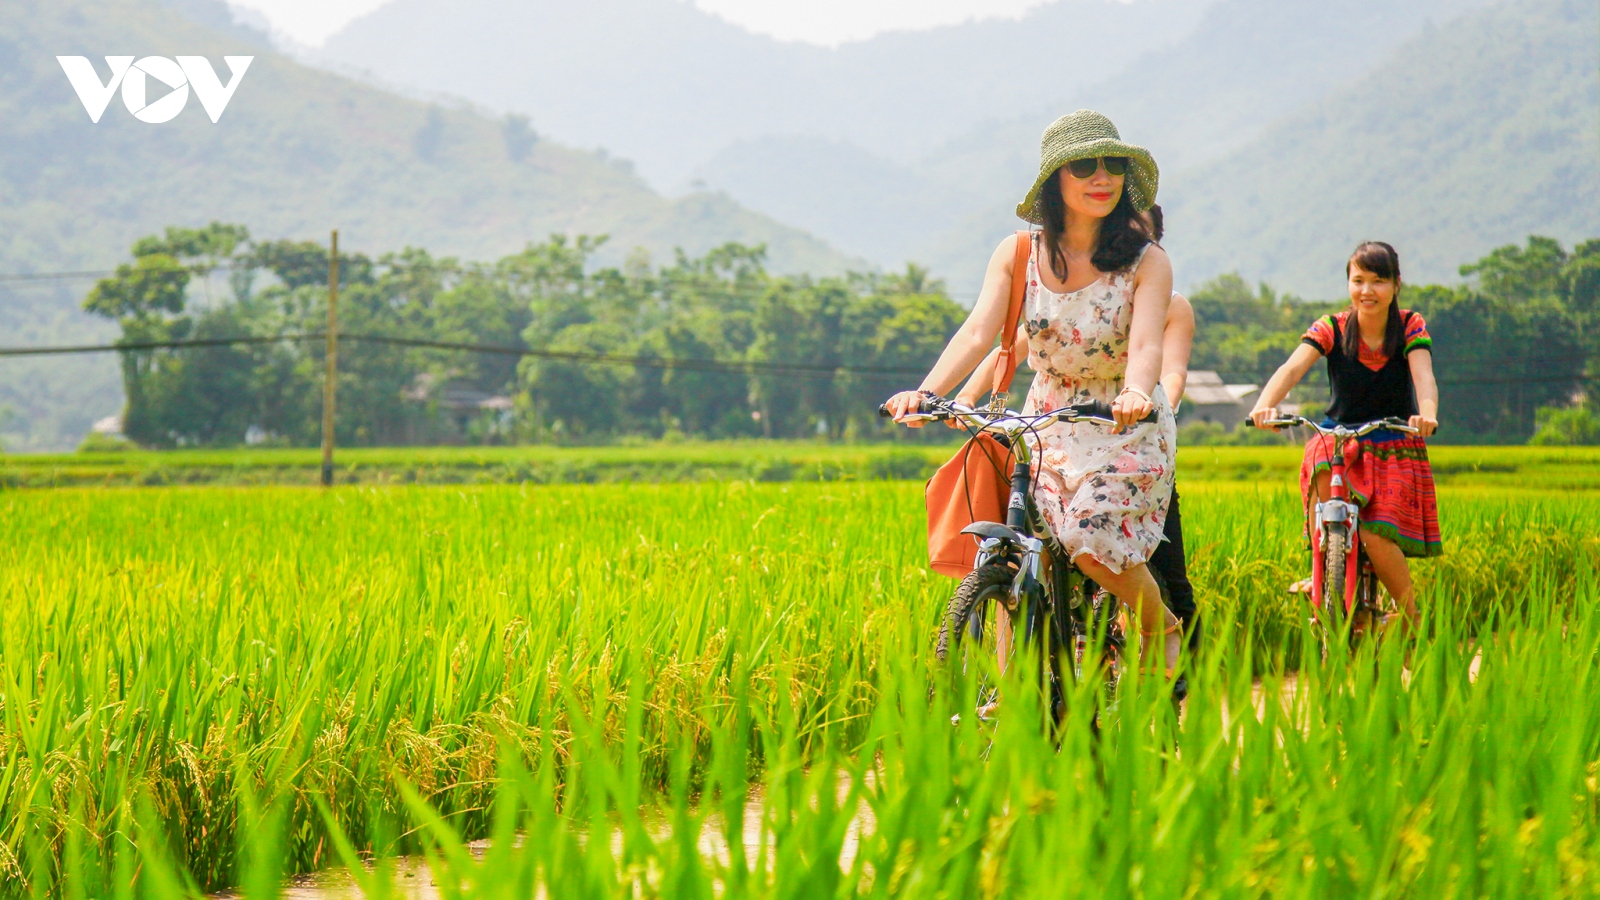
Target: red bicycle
1339,564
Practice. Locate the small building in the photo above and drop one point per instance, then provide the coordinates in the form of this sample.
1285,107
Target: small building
1207,399
110,426
472,413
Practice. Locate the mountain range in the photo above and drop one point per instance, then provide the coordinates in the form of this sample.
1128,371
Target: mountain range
668,85
1468,137
298,152
915,146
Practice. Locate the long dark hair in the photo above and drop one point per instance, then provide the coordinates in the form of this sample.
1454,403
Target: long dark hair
1157,221
1383,261
1122,232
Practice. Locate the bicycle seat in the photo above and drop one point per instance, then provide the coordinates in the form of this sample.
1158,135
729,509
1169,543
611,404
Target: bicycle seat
993,530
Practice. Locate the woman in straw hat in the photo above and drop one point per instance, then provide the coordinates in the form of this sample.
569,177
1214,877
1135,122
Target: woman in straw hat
1094,312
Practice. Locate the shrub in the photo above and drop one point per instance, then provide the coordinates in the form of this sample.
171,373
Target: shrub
96,442
1566,426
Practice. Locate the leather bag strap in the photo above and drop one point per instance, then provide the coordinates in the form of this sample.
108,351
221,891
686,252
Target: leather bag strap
1006,367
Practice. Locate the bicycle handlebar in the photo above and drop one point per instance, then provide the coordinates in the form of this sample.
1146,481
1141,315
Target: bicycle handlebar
1361,430
937,410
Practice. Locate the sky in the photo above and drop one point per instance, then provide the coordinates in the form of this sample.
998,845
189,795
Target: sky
825,22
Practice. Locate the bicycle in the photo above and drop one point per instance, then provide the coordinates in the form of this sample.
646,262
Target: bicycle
1339,564
1067,611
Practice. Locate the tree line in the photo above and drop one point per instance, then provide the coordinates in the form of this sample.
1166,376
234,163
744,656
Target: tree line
777,356
774,342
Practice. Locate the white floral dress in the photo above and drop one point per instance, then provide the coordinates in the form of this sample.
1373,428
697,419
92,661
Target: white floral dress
1099,492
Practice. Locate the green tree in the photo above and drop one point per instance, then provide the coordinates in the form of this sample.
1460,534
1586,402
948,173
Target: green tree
149,298
1517,274
1580,279
298,264
1512,340
1246,334
1566,426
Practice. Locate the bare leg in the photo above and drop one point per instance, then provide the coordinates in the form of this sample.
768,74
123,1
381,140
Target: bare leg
1139,594
1002,635
1389,562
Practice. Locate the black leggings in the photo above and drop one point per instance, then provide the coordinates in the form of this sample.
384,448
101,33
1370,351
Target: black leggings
1167,562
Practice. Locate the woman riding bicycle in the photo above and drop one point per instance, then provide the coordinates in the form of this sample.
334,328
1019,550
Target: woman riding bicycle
1177,344
1094,316
1380,364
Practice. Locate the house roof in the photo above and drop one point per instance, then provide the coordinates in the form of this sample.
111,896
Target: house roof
1205,388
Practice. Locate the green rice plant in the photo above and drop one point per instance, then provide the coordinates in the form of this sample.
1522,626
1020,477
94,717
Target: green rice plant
1545,468
189,676
1395,771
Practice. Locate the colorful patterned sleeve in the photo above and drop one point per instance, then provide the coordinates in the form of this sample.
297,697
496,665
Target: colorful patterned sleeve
1320,335
1417,337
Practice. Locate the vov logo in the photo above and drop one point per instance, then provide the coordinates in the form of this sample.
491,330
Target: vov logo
134,78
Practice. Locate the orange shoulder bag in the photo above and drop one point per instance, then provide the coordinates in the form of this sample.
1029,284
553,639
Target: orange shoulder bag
974,484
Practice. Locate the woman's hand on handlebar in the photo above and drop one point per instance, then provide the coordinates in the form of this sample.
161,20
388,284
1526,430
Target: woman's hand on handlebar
1424,425
904,404
1129,409
1258,416
964,400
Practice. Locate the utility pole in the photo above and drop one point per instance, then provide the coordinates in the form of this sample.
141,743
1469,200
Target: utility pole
331,373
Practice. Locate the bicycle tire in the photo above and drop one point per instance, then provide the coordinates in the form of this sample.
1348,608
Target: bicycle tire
1333,573
980,586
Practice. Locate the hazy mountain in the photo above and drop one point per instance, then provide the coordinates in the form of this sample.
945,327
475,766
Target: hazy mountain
915,146
1471,136
664,84
1246,63
298,152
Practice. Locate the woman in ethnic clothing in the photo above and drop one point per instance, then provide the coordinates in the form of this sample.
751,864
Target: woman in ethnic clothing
1380,364
1095,305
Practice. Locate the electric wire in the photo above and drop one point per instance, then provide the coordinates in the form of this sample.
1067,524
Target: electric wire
663,362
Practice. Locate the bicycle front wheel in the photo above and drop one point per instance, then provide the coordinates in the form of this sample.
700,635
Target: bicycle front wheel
978,624
1334,550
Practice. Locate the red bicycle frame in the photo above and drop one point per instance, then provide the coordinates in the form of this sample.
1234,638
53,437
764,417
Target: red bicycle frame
1339,516
1335,511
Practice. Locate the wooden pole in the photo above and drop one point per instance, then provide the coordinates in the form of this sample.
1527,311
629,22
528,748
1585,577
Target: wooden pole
331,372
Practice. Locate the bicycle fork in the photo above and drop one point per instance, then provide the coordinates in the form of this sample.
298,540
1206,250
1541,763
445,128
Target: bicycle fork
1337,512
1027,590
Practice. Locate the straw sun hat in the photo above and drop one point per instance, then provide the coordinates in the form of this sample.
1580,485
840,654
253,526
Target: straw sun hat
1086,134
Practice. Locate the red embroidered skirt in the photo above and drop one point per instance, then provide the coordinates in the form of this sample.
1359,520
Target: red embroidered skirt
1390,479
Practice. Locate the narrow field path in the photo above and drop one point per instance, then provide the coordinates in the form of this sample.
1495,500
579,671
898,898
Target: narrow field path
413,880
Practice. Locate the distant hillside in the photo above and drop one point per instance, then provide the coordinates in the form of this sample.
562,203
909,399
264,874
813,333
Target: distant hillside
914,146
298,152
1247,63
668,86
1471,136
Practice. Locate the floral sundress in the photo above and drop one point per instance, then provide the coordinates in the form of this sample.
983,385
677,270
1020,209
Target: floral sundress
1099,492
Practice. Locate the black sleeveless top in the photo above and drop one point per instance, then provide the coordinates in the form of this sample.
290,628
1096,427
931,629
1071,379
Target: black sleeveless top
1360,394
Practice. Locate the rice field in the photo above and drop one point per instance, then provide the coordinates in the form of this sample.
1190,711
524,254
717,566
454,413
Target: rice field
212,688
1553,468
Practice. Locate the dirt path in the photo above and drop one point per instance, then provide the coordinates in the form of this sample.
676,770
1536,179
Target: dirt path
413,880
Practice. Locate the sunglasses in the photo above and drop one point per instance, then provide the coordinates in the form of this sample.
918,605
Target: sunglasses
1085,168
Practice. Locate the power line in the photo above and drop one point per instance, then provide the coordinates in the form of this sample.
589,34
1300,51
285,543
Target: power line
53,276
194,269
152,345
654,362
648,362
